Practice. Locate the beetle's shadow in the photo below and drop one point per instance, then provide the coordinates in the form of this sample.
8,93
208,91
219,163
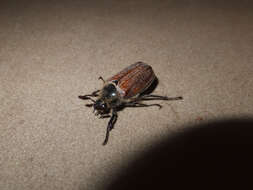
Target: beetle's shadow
149,90
152,87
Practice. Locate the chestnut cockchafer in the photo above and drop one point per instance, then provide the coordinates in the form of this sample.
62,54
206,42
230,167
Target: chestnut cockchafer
125,89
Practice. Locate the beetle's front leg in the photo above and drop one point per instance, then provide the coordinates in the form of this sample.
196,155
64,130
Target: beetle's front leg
88,96
93,94
110,125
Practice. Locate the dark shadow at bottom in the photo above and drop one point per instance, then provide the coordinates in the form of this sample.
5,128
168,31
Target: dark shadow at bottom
209,156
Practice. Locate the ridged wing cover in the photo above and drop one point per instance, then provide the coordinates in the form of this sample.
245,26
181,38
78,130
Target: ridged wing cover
134,79
125,72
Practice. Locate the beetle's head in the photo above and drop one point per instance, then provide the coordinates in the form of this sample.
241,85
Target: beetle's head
100,106
109,98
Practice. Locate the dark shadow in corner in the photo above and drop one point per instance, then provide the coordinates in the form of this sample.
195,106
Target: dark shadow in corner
209,156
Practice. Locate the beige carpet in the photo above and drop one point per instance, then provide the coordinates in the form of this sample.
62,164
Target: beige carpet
53,51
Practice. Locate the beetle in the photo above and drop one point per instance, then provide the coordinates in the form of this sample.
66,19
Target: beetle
125,89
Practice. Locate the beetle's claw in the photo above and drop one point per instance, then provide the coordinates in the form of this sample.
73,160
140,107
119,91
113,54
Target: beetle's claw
83,97
180,98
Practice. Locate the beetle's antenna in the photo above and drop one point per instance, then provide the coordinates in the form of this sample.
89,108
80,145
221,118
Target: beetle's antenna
101,78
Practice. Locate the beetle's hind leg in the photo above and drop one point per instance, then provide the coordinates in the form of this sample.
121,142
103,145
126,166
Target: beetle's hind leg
138,105
110,126
157,97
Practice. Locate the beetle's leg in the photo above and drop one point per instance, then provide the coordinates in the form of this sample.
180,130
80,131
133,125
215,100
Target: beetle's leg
137,104
101,78
93,94
88,97
89,105
110,125
156,97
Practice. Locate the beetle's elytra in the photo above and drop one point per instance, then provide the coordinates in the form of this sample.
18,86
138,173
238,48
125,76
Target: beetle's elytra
125,89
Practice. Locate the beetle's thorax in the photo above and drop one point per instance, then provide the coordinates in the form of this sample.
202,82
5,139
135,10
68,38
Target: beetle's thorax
110,95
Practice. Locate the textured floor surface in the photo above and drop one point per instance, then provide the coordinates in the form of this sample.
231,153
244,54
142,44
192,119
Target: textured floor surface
53,51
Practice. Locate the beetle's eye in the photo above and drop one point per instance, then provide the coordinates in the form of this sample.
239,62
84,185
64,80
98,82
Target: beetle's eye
99,105
103,106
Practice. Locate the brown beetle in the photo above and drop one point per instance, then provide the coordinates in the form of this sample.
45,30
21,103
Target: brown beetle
125,89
